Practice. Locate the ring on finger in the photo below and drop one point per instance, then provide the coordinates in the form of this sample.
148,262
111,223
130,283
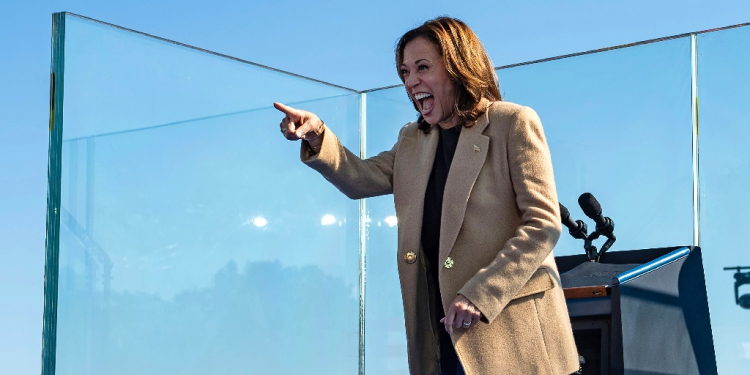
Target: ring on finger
466,324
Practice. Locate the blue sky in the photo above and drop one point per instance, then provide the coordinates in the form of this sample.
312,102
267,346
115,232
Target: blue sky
343,42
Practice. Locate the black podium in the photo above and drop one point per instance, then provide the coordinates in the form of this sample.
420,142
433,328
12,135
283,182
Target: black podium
640,312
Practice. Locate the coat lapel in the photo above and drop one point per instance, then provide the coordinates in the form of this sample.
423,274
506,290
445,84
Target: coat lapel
468,160
416,154
420,158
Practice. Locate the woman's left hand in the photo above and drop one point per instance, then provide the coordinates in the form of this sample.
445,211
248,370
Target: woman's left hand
461,314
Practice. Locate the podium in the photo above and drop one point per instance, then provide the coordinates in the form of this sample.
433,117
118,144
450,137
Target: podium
640,312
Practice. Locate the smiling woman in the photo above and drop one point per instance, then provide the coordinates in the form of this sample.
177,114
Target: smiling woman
451,54
476,207
428,83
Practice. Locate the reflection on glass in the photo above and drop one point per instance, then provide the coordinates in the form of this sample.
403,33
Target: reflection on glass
723,79
618,124
191,236
260,222
391,220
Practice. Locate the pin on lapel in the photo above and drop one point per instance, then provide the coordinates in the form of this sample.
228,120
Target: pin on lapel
476,148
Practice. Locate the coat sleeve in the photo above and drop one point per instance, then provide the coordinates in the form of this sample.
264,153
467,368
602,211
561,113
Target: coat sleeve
530,164
354,177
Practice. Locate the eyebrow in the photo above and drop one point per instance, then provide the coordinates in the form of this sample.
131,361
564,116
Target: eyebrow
416,62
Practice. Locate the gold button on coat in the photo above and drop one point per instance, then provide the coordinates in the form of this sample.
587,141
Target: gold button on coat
448,262
410,257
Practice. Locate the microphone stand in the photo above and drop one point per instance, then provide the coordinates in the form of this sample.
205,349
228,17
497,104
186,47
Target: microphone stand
591,251
577,229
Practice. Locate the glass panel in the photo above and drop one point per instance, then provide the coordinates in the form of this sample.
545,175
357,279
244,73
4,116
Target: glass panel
193,241
387,111
618,125
723,79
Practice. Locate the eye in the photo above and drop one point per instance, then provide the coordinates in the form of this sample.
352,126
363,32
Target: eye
423,67
403,72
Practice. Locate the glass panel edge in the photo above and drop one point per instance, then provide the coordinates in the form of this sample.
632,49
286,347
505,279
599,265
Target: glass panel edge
170,41
362,234
694,115
52,240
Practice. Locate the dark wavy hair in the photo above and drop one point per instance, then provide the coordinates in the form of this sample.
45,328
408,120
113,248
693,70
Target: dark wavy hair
465,60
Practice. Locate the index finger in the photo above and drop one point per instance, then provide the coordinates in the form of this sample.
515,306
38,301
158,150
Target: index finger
289,111
449,319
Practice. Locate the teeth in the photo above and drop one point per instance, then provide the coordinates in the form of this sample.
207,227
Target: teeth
421,96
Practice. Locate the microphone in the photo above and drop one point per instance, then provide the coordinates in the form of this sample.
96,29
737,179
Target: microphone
604,225
591,207
576,228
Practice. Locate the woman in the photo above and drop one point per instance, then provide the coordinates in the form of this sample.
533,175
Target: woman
478,214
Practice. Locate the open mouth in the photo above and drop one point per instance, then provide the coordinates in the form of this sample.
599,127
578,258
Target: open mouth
426,102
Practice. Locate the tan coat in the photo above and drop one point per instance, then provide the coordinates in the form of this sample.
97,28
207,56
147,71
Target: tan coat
500,221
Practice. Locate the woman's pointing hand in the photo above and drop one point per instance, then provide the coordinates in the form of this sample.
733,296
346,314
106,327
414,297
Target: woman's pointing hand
299,124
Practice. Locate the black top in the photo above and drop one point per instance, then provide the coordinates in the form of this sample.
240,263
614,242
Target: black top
433,204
